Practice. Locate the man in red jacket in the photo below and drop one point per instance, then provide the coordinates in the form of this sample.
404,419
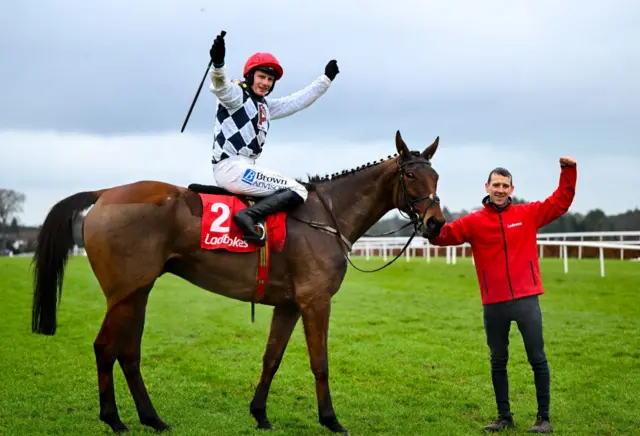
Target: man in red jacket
503,239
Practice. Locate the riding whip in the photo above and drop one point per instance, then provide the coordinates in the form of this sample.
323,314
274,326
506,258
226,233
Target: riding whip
193,103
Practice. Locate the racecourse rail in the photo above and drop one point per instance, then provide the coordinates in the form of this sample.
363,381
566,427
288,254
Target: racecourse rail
625,244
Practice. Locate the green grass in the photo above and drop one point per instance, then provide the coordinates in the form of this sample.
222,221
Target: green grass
407,356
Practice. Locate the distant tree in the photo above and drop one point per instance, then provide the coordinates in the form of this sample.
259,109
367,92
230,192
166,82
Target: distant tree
15,228
629,220
566,223
447,214
596,220
460,214
518,200
11,204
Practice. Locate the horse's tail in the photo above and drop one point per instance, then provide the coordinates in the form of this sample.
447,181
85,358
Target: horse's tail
54,242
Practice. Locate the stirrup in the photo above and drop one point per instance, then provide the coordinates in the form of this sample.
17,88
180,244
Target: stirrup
262,231
261,239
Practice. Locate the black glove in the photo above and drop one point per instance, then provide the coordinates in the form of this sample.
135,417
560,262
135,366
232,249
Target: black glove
217,50
331,70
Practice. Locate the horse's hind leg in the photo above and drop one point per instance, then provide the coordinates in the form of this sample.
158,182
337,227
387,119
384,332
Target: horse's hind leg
120,338
129,359
282,324
315,318
105,349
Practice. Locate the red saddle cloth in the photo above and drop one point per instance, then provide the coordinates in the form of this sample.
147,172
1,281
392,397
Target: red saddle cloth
219,232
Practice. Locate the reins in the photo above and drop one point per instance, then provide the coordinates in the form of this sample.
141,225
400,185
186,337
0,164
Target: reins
414,216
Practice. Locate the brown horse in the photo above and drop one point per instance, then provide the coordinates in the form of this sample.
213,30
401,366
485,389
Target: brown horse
134,233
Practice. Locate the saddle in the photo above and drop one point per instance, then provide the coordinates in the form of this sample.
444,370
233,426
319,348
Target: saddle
219,231
217,190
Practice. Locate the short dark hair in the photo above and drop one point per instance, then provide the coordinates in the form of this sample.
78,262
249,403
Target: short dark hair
500,172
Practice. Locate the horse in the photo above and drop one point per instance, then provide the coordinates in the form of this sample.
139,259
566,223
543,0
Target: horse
136,232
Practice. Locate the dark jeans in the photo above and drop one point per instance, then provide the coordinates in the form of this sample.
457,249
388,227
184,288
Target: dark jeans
497,323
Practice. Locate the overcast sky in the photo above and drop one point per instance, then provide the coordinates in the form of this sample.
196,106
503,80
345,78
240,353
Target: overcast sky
504,83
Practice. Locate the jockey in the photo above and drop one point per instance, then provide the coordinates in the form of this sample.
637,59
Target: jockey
243,116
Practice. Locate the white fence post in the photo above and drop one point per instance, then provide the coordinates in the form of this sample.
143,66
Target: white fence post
580,248
428,252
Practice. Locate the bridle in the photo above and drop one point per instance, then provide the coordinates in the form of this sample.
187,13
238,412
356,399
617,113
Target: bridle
413,214
415,219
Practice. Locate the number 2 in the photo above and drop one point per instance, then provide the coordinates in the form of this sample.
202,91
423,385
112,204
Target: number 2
215,225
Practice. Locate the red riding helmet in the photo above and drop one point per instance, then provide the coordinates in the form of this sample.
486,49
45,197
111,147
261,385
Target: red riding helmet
266,60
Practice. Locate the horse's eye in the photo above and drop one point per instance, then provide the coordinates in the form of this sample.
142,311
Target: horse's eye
410,176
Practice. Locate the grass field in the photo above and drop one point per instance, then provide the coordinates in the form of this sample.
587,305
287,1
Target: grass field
407,356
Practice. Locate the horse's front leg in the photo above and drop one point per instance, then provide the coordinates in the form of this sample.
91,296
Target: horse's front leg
315,318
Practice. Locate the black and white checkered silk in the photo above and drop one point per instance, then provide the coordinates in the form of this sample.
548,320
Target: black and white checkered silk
241,131
243,120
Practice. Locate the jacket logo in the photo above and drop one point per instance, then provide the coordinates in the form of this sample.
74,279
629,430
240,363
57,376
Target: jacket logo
514,225
262,114
249,176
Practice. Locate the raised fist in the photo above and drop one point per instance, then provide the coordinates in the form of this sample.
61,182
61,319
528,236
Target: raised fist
567,161
217,50
331,70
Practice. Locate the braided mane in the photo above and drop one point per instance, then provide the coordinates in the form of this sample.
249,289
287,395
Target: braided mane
317,179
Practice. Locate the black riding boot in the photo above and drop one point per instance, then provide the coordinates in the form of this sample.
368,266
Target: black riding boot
247,219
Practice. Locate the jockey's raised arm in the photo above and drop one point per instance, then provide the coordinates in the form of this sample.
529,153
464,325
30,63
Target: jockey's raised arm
243,118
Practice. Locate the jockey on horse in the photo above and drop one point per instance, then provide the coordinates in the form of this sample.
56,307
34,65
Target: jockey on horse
242,121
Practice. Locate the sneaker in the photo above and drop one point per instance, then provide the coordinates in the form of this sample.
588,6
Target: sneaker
500,424
542,425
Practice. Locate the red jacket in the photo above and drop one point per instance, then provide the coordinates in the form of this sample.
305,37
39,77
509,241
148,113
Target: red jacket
504,244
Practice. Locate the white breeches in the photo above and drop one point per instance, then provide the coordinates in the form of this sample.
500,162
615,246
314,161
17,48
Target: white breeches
240,175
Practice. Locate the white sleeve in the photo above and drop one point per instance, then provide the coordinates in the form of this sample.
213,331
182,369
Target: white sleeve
292,103
229,94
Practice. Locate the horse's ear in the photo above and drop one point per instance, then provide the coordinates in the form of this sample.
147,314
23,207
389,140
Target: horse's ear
402,148
431,150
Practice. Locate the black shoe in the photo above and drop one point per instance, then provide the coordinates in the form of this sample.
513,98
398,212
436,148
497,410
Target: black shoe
500,424
250,219
542,425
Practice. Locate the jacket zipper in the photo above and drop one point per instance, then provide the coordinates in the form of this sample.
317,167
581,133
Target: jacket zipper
486,286
533,274
506,256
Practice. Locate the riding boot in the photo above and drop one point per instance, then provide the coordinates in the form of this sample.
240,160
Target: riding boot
249,218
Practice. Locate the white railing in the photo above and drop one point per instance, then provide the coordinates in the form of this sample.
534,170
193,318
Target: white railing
388,246
631,237
631,234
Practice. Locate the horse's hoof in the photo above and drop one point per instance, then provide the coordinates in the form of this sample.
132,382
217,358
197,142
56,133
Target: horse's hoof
264,426
161,429
117,426
260,415
156,423
333,425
